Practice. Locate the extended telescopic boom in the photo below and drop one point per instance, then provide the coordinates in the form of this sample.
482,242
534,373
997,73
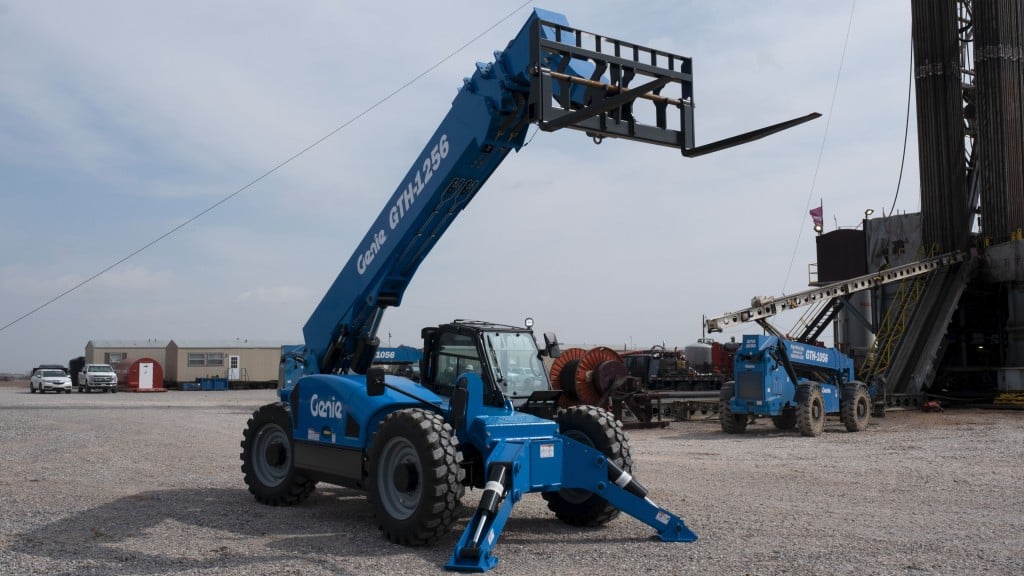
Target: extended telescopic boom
550,74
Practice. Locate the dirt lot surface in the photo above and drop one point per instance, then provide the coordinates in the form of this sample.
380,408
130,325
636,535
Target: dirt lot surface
150,484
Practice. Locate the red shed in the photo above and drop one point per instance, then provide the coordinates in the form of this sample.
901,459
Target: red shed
140,375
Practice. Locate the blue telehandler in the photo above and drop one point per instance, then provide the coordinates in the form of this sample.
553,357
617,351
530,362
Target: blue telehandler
483,414
795,384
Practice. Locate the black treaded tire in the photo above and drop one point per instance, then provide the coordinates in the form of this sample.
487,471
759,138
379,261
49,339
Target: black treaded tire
267,458
598,429
415,476
856,413
731,423
810,414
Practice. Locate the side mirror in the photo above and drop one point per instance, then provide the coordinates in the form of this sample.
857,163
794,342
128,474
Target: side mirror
375,382
551,347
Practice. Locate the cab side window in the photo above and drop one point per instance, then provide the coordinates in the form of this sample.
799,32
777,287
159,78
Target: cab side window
456,355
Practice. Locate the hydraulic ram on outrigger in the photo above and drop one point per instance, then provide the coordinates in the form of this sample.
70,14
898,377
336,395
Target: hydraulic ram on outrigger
517,466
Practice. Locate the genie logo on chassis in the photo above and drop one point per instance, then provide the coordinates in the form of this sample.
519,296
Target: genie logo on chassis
326,408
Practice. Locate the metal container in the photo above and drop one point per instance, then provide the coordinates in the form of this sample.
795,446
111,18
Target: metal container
140,375
699,356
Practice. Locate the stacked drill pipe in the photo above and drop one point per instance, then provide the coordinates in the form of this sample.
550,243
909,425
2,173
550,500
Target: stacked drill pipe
999,66
940,130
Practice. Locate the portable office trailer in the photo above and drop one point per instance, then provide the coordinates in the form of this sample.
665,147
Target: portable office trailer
244,363
114,351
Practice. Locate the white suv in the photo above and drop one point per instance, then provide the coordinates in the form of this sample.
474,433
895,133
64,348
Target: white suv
47,379
97,377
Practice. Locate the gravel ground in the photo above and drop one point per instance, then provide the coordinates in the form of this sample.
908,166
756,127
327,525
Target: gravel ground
150,484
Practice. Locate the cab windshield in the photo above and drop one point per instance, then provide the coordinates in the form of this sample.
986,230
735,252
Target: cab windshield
515,363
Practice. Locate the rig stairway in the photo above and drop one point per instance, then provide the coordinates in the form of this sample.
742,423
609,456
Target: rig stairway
910,344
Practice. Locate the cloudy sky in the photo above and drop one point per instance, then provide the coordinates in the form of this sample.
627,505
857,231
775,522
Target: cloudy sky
120,120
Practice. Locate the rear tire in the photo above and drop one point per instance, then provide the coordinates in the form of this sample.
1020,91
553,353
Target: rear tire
268,458
598,429
810,414
856,407
415,476
32,388
731,423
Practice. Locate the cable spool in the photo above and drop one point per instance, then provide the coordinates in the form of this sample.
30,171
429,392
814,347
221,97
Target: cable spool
597,371
563,374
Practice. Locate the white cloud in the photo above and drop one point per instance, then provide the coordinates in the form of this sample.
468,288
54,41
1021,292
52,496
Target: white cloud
119,120
127,278
275,294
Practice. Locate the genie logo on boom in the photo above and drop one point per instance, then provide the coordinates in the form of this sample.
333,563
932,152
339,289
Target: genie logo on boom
404,199
326,408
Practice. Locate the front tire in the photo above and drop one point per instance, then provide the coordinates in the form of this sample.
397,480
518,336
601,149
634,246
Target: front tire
810,414
856,408
268,458
598,429
731,423
415,476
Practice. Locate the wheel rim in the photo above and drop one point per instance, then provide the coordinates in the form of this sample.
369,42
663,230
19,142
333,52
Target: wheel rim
272,456
398,483
576,495
862,409
816,410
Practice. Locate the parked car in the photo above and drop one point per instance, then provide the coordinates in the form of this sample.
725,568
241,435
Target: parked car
97,377
47,379
50,366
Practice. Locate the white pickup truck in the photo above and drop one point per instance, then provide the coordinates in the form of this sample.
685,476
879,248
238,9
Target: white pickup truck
97,377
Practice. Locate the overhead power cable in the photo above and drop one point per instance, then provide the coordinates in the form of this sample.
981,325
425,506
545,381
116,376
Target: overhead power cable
906,132
259,178
821,150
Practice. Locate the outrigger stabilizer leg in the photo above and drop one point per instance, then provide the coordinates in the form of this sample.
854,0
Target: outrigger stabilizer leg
582,467
473,553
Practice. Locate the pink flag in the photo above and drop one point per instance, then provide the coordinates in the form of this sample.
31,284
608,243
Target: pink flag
816,215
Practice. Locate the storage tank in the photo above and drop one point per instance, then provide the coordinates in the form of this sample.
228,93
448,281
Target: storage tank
699,355
140,375
707,356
